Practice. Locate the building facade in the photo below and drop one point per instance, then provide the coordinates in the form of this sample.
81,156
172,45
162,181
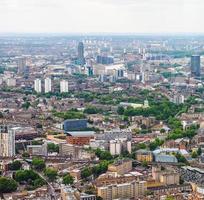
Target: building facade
130,190
64,86
38,86
7,141
195,65
48,85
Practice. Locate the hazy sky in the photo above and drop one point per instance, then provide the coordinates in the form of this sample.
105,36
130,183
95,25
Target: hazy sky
132,16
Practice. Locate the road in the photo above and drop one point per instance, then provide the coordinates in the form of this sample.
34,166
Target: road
51,189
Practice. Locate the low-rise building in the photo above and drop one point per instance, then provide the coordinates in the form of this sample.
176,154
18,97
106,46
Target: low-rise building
69,150
38,150
144,155
121,166
79,137
166,177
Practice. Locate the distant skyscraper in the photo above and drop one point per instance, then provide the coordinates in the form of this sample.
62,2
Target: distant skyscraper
195,65
21,65
81,58
48,85
64,87
37,86
7,141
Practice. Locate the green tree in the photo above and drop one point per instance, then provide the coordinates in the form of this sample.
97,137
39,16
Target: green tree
103,155
170,198
51,147
38,182
86,172
1,115
38,164
26,105
199,151
162,130
120,110
50,173
144,164
101,168
7,185
194,154
68,179
25,175
92,110
181,158
15,165
25,155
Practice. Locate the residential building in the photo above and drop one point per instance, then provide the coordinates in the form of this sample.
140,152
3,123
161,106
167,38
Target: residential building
38,86
11,82
164,176
144,155
119,145
69,150
39,150
7,141
129,190
48,85
64,86
121,166
69,193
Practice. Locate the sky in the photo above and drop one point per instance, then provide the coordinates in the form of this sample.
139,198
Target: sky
102,16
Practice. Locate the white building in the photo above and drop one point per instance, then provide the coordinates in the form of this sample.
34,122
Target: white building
38,150
11,82
48,85
37,86
119,145
64,87
7,141
178,99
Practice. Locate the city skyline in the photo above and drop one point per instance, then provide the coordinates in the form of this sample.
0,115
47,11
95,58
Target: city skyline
101,16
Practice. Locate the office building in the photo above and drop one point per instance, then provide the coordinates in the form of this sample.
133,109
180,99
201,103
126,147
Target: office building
81,58
48,85
64,86
195,65
37,86
7,141
129,190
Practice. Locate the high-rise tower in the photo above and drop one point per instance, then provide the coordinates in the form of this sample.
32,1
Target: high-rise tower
195,65
81,58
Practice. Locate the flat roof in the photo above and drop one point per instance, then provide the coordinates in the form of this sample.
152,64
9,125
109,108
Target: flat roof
81,133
